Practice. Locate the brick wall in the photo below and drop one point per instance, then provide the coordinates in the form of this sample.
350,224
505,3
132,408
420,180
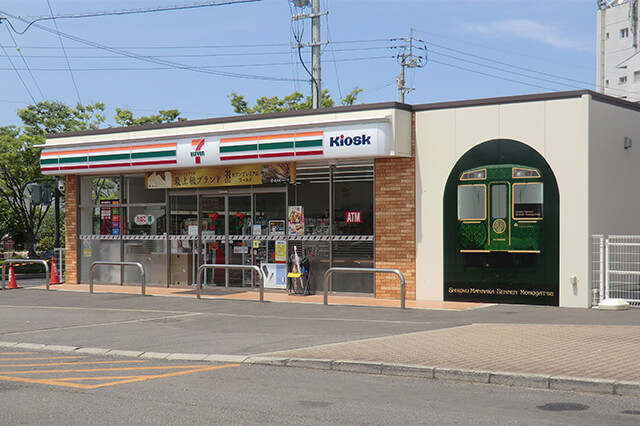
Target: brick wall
70,222
395,224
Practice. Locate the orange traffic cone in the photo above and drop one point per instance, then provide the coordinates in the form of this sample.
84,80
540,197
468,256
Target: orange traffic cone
54,273
12,278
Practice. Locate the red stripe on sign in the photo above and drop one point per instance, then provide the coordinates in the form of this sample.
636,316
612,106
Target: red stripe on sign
152,163
277,154
74,167
104,166
239,157
300,153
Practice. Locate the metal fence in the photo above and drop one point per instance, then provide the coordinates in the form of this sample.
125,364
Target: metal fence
616,268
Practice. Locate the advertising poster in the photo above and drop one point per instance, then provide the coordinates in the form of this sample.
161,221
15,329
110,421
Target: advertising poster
275,275
276,227
295,220
281,251
109,218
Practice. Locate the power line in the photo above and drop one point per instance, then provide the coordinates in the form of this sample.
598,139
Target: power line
128,12
150,59
537,58
65,55
368,58
19,76
502,63
492,75
25,64
196,55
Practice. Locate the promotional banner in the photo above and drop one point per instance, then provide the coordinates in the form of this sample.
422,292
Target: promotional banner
202,177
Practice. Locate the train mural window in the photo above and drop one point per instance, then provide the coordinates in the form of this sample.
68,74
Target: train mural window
471,202
527,200
514,225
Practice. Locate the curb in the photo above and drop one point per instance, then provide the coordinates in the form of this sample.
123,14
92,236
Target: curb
525,380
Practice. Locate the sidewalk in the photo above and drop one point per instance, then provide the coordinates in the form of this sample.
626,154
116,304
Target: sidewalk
542,347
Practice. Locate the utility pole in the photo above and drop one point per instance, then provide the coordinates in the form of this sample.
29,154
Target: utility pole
407,58
316,73
316,94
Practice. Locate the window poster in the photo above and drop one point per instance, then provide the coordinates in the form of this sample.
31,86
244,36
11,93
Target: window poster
295,220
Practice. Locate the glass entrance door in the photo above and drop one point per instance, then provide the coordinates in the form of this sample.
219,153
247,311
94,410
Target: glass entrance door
213,221
239,242
229,226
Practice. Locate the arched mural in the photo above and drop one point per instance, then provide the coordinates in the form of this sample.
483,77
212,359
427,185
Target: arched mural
501,226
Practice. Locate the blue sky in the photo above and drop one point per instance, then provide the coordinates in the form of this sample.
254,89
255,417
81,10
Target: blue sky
476,49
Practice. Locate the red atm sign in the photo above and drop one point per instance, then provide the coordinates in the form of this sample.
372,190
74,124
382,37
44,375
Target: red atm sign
353,217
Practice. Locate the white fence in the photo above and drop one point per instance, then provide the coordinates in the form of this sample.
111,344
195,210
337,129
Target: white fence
616,268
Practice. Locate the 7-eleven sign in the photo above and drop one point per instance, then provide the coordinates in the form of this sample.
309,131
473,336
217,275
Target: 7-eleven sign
353,217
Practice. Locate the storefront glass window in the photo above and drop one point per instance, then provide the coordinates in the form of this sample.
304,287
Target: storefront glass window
311,192
104,188
184,215
353,203
135,191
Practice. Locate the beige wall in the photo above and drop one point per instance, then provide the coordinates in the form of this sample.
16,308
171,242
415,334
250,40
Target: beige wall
557,129
614,190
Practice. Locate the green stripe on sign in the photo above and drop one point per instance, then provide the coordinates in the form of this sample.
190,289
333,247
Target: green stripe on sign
50,161
110,157
276,145
239,148
153,154
73,160
309,144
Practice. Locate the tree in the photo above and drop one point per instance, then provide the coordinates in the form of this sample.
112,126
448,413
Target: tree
124,117
293,102
20,158
55,117
19,165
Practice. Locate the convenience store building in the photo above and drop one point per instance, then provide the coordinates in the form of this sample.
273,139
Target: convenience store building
357,186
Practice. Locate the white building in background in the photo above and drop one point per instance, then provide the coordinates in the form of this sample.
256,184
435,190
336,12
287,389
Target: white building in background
618,59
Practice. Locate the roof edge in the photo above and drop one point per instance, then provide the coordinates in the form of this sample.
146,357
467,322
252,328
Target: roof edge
504,100
235,119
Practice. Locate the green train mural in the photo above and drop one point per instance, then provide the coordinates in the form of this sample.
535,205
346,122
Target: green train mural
500,209
501,220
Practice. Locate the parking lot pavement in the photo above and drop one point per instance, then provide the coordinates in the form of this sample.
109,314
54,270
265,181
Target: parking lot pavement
88,371
556,348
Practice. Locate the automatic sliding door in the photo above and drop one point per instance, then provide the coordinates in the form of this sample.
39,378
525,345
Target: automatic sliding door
239,243
213,220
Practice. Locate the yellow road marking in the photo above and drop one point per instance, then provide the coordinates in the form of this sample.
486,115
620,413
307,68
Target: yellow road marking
41,358
84,370
66,381
70,363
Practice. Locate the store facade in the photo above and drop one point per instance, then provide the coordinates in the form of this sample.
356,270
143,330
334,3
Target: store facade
244,190
490,200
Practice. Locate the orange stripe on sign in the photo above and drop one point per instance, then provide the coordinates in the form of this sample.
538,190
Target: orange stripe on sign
281,136
78,151
242,139
195,142
305,134
118,148
159,145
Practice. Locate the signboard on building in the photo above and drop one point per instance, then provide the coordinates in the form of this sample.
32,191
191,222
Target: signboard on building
290,144
203,177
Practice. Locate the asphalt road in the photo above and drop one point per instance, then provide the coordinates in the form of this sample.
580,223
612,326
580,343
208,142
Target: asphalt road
228,394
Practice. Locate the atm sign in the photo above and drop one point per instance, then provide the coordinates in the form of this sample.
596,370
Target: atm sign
353,217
